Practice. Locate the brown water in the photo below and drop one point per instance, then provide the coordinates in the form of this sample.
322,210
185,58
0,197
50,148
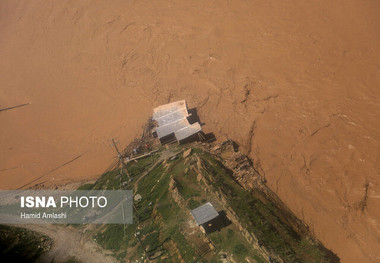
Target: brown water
295,83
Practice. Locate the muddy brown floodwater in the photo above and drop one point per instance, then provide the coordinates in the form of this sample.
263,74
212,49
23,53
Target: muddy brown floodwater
295,83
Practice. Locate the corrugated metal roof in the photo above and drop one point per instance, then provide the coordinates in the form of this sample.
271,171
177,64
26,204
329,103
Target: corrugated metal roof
204,213
172,127
187,131
169,108
172,118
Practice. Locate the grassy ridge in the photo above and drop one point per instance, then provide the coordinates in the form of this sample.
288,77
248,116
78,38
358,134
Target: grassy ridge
262,218
163,231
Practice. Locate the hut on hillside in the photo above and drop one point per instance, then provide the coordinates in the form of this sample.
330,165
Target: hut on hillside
207,217
173,123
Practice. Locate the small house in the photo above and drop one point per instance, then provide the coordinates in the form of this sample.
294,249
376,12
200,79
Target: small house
207,217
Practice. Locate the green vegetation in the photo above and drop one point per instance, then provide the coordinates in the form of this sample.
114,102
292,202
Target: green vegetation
239,249
262,218
111,238
86,187
161,223
137,168
164,230
230,239
193,204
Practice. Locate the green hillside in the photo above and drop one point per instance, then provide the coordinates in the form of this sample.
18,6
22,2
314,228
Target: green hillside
171,184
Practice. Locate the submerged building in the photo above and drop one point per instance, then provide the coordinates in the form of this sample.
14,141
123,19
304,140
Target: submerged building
173,123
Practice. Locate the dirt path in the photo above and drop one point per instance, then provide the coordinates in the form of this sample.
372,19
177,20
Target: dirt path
69,243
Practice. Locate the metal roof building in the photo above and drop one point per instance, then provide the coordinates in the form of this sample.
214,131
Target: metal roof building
172,120
204,213
172,127
166,109
187,131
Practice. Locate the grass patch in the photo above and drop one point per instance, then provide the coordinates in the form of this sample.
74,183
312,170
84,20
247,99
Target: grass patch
240,250
111,238
193,204
135,169
108,181
86,187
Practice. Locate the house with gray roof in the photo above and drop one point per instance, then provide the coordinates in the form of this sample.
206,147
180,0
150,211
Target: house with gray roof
207,217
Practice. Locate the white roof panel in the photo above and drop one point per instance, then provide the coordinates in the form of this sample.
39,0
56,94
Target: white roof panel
172,118
172,127
204,213
188,131
169,108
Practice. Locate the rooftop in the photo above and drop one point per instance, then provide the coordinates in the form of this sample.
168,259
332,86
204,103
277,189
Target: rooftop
169,108
204,213
172,119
